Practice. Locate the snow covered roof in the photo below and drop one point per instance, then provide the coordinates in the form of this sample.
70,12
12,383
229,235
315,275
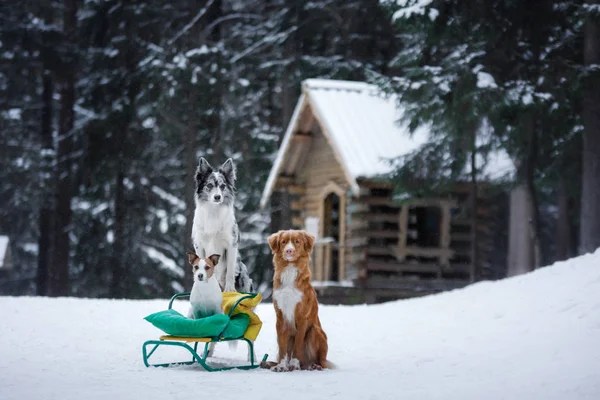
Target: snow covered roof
5,262
360,124
363,129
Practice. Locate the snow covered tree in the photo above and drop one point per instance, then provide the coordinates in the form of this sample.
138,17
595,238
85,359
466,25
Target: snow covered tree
502,64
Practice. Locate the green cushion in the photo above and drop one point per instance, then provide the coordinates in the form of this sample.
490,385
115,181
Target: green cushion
173,323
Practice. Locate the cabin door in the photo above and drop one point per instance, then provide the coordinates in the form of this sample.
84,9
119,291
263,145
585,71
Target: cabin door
332,229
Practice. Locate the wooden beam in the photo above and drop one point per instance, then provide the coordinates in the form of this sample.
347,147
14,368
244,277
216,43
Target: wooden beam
298,222
342,240
431,202
284,180
403,267
296,189
373,184
377,217
445,235
402,233
381,250
302,137
378,201
297,205
379,234
418,251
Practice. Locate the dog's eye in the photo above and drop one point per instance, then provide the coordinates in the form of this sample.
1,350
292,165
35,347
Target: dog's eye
283,242
297,241
206,268
195,267
222,187
209,186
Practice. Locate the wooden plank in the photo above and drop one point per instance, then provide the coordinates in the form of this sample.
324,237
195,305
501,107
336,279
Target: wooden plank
426,268
380,250
418,251
431,202
298,222
296,189
397,283
377,234
402,267
375,184
342,254
376,216
379,201
460,237
445,235
284,180
402,233
327,262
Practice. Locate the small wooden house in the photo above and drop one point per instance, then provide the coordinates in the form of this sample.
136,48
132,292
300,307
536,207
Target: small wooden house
329,174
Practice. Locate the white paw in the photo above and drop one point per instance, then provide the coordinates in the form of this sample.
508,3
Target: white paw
229,287
282,366
294,364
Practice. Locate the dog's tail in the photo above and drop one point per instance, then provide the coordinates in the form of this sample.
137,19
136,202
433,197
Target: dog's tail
329,365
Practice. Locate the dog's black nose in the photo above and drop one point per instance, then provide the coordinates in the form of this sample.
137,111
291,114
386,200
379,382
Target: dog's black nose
217,197
200,277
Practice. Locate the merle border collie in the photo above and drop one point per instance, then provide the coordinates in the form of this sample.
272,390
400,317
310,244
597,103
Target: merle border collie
215,230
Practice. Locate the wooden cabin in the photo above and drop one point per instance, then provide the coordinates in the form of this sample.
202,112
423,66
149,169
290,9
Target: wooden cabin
329,175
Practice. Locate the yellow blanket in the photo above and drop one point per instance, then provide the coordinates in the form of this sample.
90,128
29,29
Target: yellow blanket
246,307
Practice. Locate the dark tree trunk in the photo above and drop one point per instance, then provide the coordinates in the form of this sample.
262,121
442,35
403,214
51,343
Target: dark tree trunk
530,165
45,218
590,195
189,151
59,268
118,270
563,226
474,203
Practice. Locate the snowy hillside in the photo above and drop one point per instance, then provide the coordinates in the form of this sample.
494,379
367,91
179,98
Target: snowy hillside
532,337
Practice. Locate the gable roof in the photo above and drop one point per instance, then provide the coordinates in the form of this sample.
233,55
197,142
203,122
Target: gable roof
359,124
362,127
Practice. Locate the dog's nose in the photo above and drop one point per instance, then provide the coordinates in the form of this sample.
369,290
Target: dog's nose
217,197
289,252
200,278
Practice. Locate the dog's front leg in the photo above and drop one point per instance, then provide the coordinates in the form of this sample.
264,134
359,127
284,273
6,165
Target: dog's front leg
282,342
232,253
298,353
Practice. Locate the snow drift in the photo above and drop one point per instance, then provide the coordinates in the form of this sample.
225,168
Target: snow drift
535,336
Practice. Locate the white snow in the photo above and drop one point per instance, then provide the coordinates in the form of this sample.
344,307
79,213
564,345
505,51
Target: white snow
531,337
3,249
165,262
13,113
168,197
485,80
410,7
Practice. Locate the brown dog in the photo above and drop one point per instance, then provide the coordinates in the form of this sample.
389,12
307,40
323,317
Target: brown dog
302,342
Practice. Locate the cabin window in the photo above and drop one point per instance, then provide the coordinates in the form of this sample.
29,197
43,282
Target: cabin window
424,226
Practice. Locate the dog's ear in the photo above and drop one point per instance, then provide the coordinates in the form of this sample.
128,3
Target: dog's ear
192,257
274,242
228,170
214,259
309,241
204,168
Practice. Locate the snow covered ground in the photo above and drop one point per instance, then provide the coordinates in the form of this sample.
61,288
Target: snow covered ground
532,337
